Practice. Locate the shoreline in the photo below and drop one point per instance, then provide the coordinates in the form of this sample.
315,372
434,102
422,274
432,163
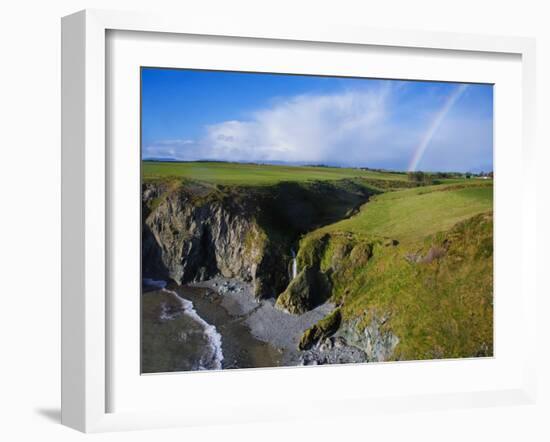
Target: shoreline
239,347
281,329
264,321
254,333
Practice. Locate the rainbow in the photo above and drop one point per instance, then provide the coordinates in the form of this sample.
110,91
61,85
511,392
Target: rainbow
439,117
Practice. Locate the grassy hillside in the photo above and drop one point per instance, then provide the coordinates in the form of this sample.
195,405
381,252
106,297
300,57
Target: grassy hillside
410,215
255,174
414,262
421,259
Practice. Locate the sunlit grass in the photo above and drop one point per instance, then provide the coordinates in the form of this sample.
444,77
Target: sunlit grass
410,215
434,284
255,174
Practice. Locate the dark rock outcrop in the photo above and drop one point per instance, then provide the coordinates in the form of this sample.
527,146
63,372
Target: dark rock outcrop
309,289
325,328
186,239
193,231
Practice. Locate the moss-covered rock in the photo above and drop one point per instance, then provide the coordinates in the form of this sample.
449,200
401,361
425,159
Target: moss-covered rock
309,289
338,256
323,329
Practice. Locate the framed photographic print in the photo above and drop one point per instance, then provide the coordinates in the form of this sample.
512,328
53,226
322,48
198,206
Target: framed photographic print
264,246
251,215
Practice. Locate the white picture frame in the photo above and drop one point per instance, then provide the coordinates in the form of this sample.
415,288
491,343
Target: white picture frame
85,201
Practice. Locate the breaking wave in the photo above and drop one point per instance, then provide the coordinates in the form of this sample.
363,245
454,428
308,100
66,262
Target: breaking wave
212,358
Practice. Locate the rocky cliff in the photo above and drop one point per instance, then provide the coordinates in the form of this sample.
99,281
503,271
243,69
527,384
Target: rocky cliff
193,231
196,234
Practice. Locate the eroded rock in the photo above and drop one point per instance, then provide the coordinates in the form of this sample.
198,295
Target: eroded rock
376,340
309,289
325,328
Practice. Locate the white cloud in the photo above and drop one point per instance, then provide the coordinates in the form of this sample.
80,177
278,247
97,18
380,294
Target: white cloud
167,148
306,128
358,127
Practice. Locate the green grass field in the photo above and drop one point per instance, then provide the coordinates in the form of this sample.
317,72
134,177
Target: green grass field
255,174
412,214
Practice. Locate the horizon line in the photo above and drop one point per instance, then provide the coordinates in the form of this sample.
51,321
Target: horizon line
310,164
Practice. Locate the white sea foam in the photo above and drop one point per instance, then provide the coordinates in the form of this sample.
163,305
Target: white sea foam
211,360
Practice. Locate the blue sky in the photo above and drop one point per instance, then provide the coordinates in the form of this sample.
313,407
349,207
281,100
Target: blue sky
400,125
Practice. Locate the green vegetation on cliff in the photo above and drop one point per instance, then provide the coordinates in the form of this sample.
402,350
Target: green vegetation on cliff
439,297
309,289
408,265
422,258
196,230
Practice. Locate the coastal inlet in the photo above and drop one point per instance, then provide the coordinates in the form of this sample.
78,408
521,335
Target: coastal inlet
218,324
314,272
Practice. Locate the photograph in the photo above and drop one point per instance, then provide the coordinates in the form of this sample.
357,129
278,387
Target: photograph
303,220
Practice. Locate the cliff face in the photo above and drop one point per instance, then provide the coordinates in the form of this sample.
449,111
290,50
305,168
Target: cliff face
188,239
192,232
377,341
